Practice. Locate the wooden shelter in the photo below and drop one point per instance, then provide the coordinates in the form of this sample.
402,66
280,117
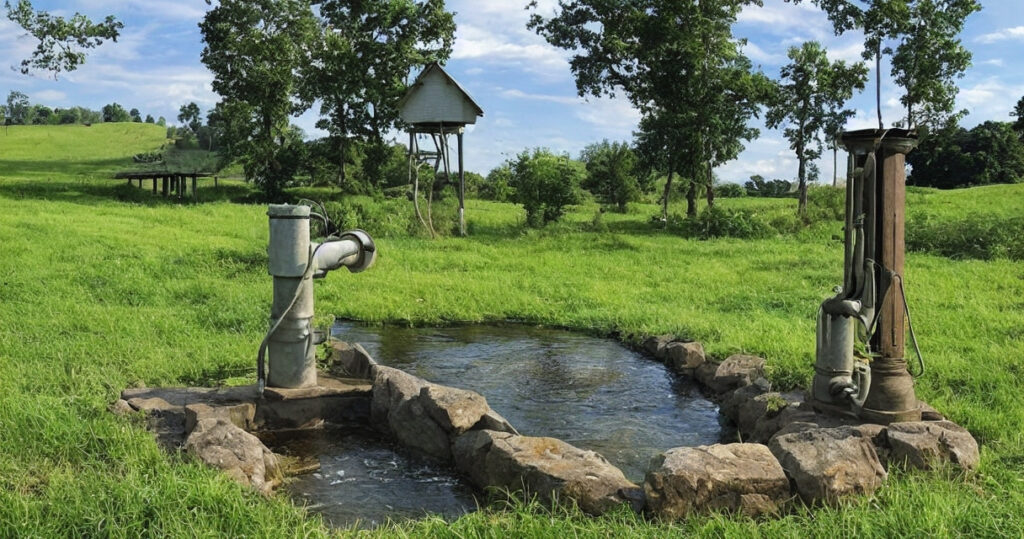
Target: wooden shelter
437,106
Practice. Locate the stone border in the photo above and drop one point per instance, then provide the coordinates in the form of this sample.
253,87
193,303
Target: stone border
791,451
822,457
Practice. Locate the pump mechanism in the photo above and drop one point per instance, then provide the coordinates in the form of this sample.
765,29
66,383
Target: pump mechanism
294,261
859,366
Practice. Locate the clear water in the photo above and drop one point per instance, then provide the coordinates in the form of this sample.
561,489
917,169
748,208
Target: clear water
591,392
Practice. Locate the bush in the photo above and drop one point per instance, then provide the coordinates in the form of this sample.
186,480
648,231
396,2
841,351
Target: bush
545,184
611,173
826,203
718,222
498,185
730,190
978,236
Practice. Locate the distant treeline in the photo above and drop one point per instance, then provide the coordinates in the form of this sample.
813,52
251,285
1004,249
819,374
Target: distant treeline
20,111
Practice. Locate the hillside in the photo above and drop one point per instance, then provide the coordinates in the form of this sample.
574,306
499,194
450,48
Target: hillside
59,151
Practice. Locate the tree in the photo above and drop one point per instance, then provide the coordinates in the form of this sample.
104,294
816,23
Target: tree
41,115
17,107
678,63
927,56
254,50
114,112
149,119
135,115
384,38
611,173
189,115
989,153
61,41
545,184
1018,112
811,89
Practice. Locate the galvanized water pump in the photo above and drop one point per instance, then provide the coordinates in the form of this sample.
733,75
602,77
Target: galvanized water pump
294,262
874,385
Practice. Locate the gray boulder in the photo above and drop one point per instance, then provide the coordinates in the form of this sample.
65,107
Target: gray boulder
655,346
684,357
397,409
454,410
743,478
736,371
221,444
546,467
926,444
827,464
351,360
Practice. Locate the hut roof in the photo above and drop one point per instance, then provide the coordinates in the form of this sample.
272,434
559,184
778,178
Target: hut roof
428,102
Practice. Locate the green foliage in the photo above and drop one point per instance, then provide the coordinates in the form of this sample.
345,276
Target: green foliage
808,99
1018,112
983,237
255,50
989,153
730,190
826,203
757,186
114,112
611,173
17,107
545,184
498,184
190,116
61,41
717,222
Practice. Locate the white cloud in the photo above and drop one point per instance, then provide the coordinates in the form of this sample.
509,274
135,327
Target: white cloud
759,55
997,62
990,99
782,18
1015,33
48,96
513,93
527,52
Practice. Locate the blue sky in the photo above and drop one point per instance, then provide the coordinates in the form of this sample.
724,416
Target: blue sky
524,86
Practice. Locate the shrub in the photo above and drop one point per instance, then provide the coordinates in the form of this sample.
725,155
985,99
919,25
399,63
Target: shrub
730,190
977,236
545,184
826,203
498,185
611,173
718,222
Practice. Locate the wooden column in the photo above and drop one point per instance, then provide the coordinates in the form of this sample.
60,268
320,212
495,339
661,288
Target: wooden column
195,195
462,190
165,185
154,185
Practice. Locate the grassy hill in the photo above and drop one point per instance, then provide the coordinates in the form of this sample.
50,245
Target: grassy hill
103,286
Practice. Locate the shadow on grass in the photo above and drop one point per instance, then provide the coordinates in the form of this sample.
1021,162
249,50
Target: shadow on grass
98,191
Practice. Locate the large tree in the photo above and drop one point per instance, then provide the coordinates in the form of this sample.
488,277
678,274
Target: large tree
677,62
189,115
62,42
362,62
1018,112
255,48
611,173
921,36
808,95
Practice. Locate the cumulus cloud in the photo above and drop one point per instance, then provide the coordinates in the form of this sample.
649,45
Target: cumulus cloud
1015,33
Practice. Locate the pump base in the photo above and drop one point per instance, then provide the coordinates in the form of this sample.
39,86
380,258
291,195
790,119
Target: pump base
885,417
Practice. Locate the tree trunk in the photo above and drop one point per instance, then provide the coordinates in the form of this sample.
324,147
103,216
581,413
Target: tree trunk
802,175
664,197
878,82
835,165
691,199
711,186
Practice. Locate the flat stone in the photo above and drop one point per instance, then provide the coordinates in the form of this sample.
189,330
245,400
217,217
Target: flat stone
121,407
927,444
326,386
828,464
351,360
736,371
684,357
494,421
242,456
454,410
242,415
180,396
546,467
655,346
744,478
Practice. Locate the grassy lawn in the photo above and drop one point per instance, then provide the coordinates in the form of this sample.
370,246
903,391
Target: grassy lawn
103,286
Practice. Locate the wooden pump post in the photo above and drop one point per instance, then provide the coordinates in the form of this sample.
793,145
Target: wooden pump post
891,397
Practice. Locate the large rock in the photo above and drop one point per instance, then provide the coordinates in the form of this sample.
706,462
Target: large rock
655,346
734,401
827,464
736,371
351,360
684,357
454,410
743,478
397,409
546,467
220,443
241,415
926,444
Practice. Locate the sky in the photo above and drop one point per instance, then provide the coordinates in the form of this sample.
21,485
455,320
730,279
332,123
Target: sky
524,85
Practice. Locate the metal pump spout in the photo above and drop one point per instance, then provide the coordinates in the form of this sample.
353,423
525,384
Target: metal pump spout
294,261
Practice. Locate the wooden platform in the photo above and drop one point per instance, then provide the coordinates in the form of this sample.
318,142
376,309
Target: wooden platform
172,183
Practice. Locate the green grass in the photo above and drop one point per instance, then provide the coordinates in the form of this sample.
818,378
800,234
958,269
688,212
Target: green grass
103,286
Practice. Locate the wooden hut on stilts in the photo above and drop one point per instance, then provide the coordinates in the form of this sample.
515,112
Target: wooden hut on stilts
435,107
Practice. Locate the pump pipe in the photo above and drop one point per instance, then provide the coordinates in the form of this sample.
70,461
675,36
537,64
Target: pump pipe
293,262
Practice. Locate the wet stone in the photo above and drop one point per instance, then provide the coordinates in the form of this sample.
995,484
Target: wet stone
828,464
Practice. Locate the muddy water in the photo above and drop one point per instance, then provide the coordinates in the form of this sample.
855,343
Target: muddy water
591,392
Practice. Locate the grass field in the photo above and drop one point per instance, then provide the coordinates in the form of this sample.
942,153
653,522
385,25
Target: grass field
103,287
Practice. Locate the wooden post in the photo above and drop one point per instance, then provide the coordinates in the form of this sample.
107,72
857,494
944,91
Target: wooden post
164,185
195,195
215,181
462,190
154,185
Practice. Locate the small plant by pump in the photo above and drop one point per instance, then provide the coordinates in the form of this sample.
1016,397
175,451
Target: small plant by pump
289,346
